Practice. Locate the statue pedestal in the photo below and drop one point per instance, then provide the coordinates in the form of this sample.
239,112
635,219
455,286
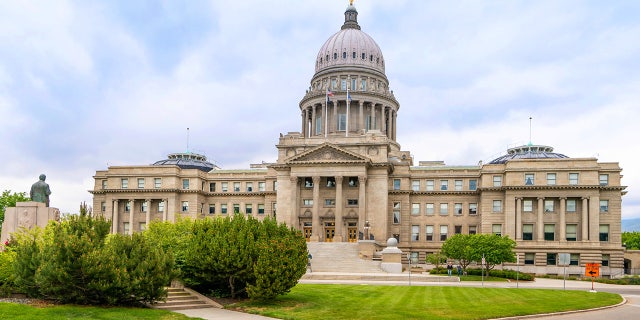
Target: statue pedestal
27,215
391,257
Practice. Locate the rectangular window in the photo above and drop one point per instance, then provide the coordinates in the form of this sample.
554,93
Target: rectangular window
473,229
496,229
260,208
551,179
104,184
443,233
342,121
142,226
444,209
549,232
363,85
185,184
308,202
574,259
415,185
527,205
430,185
551,259
457,208
473,184
212,208
604,179
127,206
274,206
572,232
124,183
497,205
573,178
604,205
444,185
161,206
605,260
473,208
457,229
604,232
223,208
396,184
236,208
334,83
415,209
236,187
143,206
318,125
429,233
415,233
529,258
430,209
527,232
125,227
529,179
548,205
185,206
275,186
212,187
103,206
396,212
571,205
249,186
225,187
353,182
352,202
353,81
497,181
140,183
329,202
248,208
457,185
262,186
331,182
343,84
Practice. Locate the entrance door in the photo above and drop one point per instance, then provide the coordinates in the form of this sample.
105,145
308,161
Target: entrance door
353,234
307,233
329,233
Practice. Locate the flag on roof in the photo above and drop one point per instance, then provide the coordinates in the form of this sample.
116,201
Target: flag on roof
329,94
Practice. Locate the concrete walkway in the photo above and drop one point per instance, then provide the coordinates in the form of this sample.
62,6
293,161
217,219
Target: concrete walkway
631,293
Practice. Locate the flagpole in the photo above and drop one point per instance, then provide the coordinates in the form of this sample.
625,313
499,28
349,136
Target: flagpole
348,98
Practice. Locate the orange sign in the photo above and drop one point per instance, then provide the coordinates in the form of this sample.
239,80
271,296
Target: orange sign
592,270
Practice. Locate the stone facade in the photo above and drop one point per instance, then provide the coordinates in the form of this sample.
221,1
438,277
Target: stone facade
343,177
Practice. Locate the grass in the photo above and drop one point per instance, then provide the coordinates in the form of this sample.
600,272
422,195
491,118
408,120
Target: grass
479,278
318,301
16,311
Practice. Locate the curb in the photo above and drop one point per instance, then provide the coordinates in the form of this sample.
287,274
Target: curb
533,316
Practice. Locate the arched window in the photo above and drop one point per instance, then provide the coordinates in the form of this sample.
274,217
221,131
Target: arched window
320,60
344,54
327,58
371,58
354,54
364,56
335,55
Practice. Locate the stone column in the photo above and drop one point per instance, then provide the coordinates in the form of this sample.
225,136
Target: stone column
339,206
362,202
164,212
372,113
147,217
395,116
304,122
361,115
313,120
132,207
114,221
594,218
540,223
518,218
334,117
295,204
383,121
325,114
315,222
585,219
563,219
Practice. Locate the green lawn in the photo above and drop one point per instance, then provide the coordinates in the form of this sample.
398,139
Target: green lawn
307,301
25,312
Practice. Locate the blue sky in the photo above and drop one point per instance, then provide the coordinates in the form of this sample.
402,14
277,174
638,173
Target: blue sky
88,84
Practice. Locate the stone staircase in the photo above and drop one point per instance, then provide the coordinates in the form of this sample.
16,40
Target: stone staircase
341,257
180,298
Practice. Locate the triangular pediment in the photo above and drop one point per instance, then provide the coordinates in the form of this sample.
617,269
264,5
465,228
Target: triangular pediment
327,153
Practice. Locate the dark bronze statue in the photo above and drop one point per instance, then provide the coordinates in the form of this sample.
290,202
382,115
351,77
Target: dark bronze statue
40,191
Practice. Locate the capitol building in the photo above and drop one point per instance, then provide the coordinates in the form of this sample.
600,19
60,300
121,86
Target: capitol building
343,177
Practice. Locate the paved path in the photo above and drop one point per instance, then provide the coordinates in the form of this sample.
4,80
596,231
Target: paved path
630,310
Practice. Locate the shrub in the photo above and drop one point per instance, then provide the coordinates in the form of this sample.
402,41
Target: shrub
6,271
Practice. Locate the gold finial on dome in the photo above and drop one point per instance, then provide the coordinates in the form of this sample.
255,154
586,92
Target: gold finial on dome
350,2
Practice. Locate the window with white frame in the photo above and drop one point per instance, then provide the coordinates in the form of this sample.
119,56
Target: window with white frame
605,260
604,232
396,212
604,205
127,206
473,208
124,183
415,232
551,179
260,208
396,184
527,205
157,183
571,205
573,178
125,227
140,183
103,206
415,185
572,232
529,179
473,184
551,259
342,121
415,209
212,187
457,185
248,208
225,186
574,259
308,202
457,229
185,206
212,208
473,229
352,202
497,205
329,202
548,205
444,185
275,186
143,206
185,184
444,209
430,185
529,258
604,179
457,208
161,206
549,232
223,208
496,229
527,232
236,187
249,186
104,184
429,209
444,230
497,181
429,233
262,186
236,208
